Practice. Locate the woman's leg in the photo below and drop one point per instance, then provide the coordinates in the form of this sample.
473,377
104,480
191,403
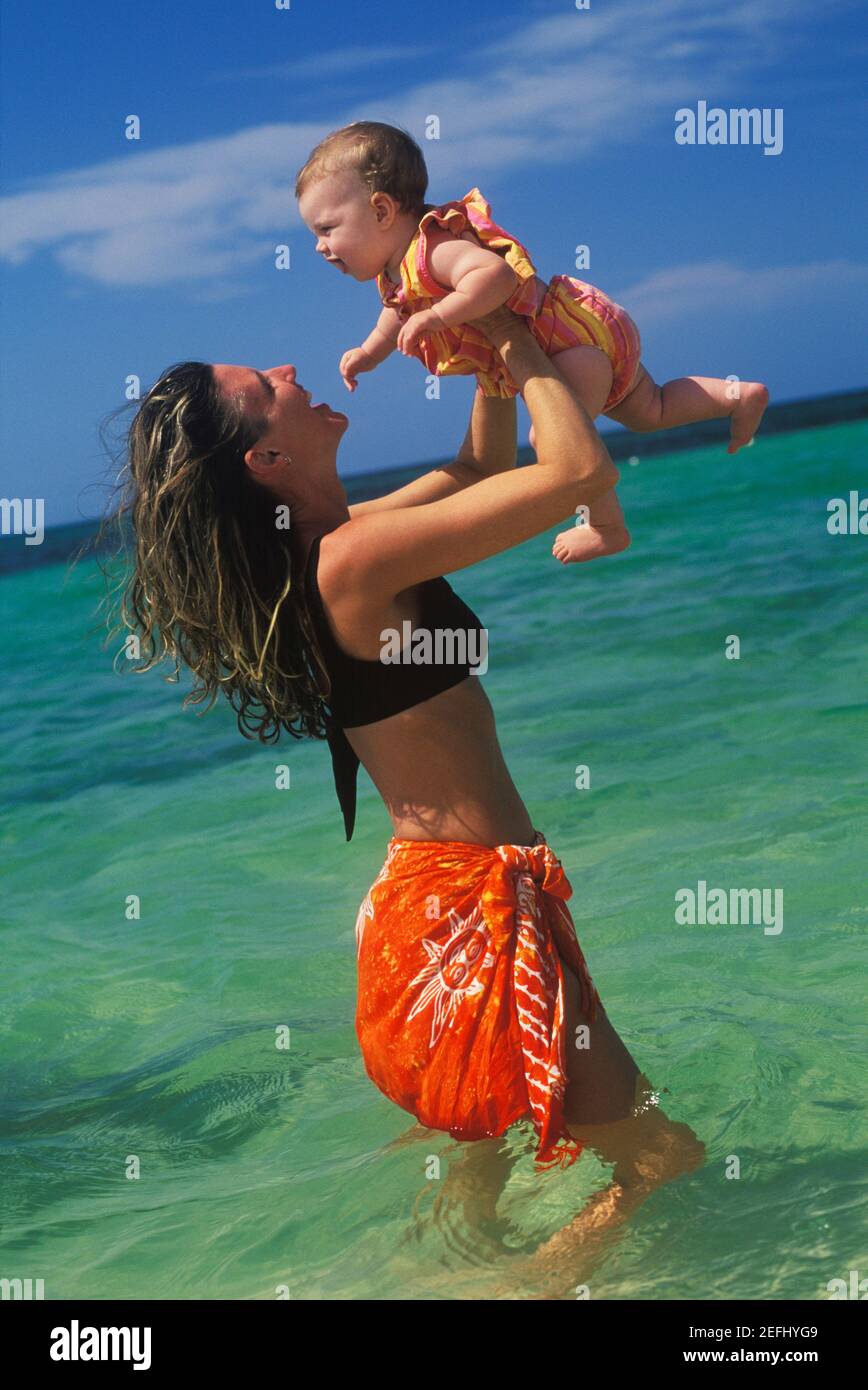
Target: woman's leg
602,1077
611,1106
612,1103
476,1176
464,1204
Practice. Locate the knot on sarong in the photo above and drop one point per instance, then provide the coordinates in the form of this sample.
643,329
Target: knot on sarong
541,863
503,884
523,903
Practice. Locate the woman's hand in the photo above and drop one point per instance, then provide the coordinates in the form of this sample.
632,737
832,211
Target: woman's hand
500,324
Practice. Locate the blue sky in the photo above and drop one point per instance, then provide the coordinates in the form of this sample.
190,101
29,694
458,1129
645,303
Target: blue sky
120,256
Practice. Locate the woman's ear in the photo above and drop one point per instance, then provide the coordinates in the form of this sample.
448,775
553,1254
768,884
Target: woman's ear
262,463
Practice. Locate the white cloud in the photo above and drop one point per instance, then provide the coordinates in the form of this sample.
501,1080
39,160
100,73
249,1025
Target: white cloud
647,33
337,62
167,215
554,90
719,285
152,253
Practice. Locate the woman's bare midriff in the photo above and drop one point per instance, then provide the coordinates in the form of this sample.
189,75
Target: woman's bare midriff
438,765
440,771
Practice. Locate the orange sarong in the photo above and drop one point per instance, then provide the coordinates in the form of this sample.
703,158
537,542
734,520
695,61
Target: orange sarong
460,1012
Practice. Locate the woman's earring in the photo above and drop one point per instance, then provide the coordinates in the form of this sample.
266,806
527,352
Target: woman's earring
277,454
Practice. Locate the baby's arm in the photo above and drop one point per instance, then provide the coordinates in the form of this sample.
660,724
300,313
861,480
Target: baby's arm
379,343
480,281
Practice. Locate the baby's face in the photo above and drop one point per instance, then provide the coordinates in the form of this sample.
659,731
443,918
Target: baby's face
349,232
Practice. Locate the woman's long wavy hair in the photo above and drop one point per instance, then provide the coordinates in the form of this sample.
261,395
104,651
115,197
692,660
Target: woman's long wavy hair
210,582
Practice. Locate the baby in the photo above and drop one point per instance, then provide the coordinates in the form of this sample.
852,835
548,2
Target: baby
361,193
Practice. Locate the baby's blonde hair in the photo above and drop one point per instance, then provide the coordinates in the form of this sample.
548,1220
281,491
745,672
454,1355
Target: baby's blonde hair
386,159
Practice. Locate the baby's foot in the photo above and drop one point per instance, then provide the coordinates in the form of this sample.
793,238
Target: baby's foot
753,399
590,542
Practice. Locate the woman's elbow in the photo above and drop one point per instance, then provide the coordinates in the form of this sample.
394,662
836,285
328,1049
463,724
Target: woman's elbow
595,476
605,476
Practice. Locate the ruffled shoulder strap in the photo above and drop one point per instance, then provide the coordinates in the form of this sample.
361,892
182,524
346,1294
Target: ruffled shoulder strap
416,281
453,216
470,213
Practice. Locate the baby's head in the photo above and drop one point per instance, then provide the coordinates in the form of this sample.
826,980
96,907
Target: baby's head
362,194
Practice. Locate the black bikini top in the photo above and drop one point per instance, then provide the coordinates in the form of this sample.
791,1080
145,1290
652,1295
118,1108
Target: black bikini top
363,692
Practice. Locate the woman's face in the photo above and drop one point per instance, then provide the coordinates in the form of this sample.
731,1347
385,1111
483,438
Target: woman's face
294,424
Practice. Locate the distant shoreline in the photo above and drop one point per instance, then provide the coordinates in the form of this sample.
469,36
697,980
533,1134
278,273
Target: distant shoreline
810,412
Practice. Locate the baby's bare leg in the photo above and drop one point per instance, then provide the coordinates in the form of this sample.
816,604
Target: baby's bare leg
689,399
602,531
599,530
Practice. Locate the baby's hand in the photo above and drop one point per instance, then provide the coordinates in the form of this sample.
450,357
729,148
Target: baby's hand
417,325
353,361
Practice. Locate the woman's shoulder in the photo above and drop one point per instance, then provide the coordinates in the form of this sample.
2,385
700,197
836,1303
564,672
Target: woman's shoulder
348,567
355,609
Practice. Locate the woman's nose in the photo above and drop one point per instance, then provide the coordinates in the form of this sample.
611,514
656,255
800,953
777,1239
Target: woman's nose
288,369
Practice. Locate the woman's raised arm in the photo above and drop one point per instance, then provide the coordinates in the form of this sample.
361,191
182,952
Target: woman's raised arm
490,446
412,544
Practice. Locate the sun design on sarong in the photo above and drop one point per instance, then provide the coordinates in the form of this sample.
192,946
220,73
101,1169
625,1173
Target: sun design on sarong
452,972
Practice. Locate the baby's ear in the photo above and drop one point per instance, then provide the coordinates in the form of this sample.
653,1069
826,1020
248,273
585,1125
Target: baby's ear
385,207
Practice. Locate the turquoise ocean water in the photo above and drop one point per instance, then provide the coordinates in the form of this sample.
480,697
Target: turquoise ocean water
152,1042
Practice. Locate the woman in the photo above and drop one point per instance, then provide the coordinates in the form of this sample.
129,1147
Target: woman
475,1007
